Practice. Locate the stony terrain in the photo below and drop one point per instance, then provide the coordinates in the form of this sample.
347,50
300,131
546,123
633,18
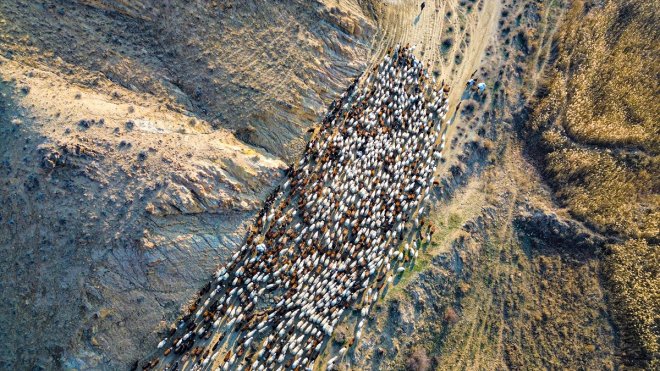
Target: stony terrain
139,139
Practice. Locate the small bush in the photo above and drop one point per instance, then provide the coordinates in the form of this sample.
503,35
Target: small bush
418,361
451,316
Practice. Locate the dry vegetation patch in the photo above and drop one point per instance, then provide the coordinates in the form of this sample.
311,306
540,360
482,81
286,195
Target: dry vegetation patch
634,272
596,119
598,113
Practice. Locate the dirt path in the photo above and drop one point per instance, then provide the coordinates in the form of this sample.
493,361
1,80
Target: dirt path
471,29
403,22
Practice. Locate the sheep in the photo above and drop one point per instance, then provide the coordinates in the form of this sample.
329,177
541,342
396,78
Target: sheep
357,187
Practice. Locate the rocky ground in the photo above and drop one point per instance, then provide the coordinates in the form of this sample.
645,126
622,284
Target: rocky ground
138,140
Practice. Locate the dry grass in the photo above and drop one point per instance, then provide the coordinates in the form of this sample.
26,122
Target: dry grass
597,121
598,117
605,191
634,272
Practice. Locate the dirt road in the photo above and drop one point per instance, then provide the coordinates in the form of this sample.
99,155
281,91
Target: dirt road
450,38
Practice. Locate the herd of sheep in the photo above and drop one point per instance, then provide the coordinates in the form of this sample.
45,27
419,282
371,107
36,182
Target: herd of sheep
344,224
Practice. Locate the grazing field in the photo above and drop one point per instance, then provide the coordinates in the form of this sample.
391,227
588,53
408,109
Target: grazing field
597,122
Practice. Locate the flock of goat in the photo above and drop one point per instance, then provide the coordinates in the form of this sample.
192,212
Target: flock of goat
347,220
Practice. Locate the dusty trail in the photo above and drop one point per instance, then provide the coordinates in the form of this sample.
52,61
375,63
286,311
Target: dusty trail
403,22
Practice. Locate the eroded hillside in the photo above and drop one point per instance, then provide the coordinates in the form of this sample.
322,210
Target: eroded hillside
137,140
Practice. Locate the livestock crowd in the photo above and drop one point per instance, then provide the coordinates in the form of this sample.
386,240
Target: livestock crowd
330,238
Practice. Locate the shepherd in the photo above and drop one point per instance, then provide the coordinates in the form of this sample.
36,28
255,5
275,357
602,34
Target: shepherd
482,87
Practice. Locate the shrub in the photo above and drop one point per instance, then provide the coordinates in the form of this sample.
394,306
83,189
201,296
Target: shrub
451,316
418,361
